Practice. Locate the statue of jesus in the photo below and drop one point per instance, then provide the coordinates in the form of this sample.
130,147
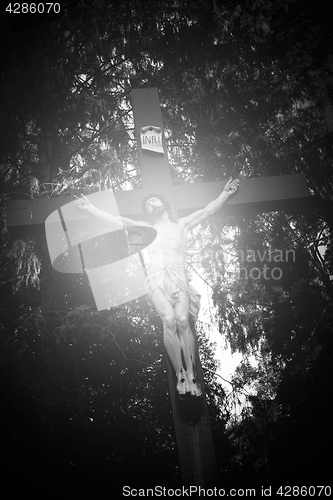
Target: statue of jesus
171,294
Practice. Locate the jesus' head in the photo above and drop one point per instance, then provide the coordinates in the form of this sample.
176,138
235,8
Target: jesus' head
155,205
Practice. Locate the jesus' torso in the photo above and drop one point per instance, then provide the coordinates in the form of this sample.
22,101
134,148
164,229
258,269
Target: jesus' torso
169,247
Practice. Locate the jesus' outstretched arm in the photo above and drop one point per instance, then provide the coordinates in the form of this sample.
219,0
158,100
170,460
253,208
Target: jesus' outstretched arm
84,204
200,215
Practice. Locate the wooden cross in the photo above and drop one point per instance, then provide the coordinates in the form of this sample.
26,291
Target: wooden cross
255,195
192,429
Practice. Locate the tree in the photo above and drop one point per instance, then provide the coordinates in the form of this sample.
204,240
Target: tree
246,91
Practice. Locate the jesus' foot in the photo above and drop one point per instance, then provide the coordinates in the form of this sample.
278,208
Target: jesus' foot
181,385
193,387
187,385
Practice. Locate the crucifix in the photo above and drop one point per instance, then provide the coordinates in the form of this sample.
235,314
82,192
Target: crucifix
192,429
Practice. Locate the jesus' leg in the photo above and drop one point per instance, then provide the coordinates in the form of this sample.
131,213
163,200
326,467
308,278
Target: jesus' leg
187,343
170,337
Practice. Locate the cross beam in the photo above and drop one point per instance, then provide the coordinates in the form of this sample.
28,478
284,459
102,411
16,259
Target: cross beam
255,195
193,434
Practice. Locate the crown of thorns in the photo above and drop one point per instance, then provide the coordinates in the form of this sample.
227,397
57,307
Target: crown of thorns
162,199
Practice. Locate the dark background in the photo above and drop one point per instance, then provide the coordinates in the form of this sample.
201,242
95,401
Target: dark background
246,90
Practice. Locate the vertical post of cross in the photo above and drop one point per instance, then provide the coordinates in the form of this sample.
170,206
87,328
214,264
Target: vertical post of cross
196,456
154,166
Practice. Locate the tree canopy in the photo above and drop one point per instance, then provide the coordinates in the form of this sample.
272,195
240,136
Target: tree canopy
246,90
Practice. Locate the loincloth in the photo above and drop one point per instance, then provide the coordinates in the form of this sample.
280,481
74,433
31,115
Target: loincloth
172,280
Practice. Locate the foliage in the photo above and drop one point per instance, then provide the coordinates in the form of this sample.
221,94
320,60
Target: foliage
95,394
246,90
